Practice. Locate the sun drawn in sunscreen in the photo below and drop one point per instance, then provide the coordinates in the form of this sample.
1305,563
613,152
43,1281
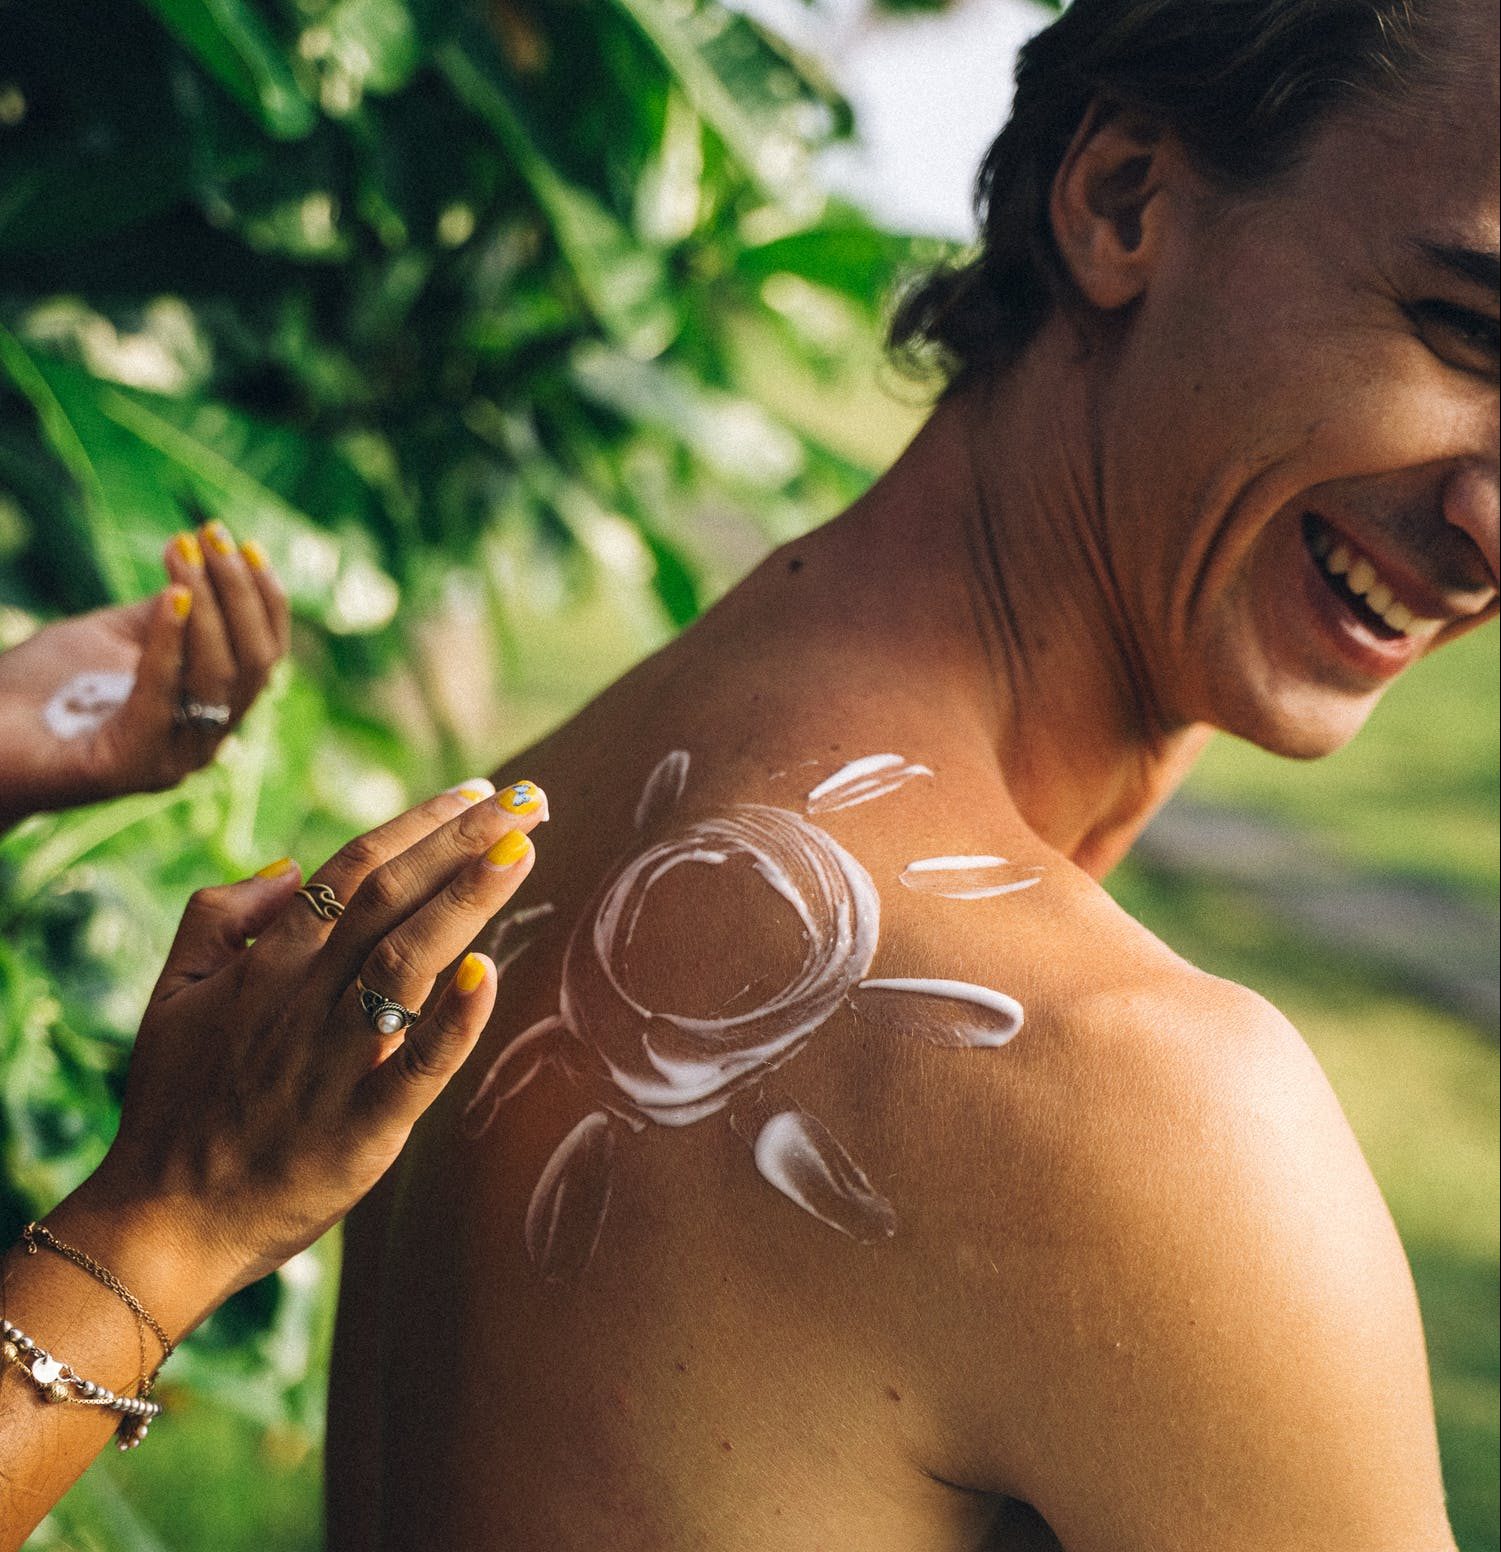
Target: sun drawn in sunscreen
640,1065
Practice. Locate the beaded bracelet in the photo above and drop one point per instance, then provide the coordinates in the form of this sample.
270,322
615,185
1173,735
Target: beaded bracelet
56,1381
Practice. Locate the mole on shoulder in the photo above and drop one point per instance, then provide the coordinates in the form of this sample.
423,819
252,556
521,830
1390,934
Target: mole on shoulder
795,565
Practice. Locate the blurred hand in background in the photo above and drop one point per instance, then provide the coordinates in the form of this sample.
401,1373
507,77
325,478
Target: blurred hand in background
133,698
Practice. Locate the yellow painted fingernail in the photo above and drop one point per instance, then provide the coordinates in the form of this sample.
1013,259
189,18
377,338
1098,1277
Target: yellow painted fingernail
220,540
471,973
508,850
277,869
255,556
188,547
182,601
521,797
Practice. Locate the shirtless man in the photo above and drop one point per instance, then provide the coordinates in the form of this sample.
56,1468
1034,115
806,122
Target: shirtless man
845,1171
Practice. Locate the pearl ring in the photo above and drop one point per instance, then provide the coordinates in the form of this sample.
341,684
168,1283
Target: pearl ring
387,1015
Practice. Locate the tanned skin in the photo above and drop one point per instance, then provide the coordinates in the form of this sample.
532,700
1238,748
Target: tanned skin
1143,1295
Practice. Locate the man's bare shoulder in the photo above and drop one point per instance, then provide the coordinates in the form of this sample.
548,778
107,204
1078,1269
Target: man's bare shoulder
1176,1311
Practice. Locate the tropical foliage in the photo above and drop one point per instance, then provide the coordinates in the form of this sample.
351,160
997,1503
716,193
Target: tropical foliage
447,307
480,319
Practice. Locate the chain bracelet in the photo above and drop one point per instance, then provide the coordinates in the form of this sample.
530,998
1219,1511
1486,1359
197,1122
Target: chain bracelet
37,1233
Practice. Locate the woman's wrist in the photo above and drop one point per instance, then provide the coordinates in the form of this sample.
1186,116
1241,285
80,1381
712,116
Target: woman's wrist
154,1245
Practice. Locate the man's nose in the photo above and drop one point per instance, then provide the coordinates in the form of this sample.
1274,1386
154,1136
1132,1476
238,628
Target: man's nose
1472,504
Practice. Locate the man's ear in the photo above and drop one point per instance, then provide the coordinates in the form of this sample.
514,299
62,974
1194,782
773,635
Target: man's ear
1107,207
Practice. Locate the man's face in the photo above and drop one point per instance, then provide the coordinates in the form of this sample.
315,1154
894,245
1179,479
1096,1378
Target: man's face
1300,445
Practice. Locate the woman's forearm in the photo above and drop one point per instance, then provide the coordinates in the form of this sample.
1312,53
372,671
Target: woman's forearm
77,1320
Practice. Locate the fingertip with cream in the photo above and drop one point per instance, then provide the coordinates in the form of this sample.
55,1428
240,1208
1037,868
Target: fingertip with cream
218,538
473,788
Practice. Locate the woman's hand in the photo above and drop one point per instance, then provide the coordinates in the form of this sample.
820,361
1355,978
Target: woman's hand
262,1102
95,707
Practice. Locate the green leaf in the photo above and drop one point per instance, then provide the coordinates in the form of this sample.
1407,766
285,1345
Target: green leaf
624,283
673,581
231,40
699,52
115,484
150,466
335,580
734,437
853,258
42,858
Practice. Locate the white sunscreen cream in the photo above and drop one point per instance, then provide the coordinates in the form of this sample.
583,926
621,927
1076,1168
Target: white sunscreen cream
640,1065
950,1013
968,878
871,776
568,1206
86,702
801,1157
513,935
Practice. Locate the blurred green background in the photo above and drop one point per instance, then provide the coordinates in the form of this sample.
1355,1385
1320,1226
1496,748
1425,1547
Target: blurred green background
516,332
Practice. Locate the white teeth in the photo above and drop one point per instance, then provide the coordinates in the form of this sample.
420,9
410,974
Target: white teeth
1362,577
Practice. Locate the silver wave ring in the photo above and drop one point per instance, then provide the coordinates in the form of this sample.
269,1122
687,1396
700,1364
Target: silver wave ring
322,901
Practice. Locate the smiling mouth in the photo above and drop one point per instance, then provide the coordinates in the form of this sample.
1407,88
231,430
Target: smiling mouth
1352,576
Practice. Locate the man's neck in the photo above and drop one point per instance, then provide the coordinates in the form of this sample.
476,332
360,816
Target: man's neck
986,545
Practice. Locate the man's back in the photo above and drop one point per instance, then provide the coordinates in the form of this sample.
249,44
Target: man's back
843,1170
843,1167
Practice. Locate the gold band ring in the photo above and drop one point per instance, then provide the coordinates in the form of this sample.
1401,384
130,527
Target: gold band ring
322,901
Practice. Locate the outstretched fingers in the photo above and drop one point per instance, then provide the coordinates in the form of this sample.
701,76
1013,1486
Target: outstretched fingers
272,594
411,1077
416,912
209,673
307,922
250,633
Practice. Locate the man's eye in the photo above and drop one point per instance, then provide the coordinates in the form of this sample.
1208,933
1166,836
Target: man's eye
1447,324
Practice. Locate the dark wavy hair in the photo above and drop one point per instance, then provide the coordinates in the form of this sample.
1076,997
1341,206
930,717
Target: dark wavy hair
1241,83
